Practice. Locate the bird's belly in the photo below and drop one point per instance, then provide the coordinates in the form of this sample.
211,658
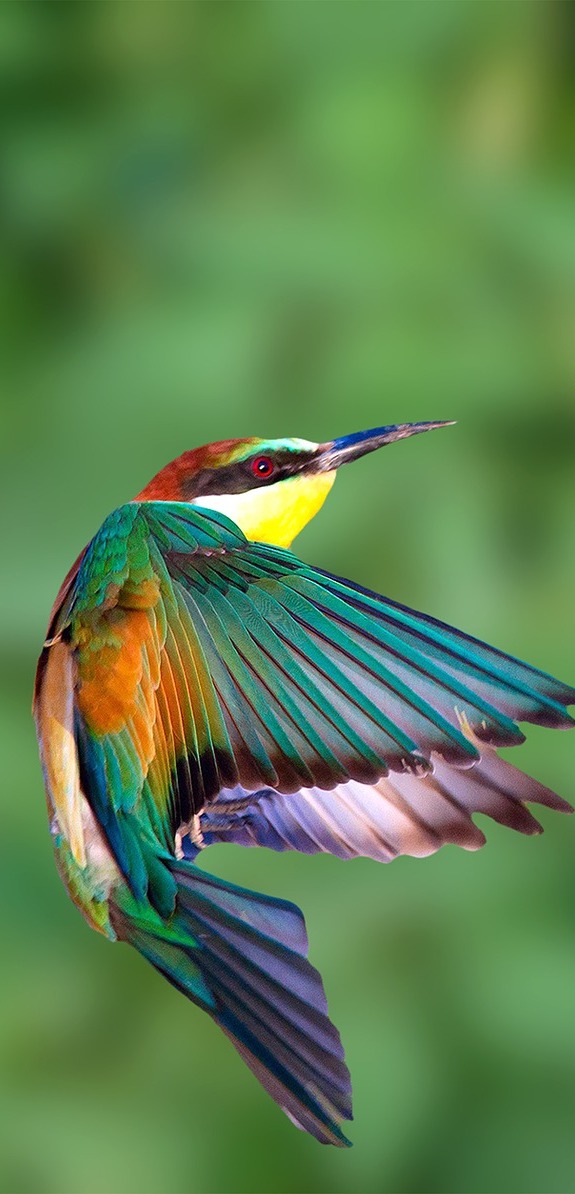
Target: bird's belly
88,884
82,855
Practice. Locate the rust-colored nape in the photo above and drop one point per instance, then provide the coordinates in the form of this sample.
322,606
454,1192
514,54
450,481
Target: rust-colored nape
174,482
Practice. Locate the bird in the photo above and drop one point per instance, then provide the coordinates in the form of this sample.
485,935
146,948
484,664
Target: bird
200,684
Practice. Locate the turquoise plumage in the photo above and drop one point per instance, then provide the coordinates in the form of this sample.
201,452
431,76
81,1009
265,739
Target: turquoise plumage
199,685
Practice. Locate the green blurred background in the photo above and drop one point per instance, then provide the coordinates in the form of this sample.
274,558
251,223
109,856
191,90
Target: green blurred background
297,219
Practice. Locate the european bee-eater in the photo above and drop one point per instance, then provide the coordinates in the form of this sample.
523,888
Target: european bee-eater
200,684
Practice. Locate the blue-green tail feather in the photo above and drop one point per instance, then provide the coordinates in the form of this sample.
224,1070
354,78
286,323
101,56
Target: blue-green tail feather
242,957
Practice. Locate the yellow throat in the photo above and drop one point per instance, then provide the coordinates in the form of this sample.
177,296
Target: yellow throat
275,513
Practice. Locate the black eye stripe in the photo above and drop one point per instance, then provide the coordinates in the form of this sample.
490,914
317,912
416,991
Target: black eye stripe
240,477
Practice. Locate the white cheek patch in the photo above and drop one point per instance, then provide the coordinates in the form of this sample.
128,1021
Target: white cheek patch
225,503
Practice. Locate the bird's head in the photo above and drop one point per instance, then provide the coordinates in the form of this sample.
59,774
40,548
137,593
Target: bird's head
269,488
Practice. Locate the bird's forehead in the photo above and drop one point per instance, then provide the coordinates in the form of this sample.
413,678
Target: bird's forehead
246,448
233,451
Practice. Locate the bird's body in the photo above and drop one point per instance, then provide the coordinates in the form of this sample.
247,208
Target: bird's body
199,684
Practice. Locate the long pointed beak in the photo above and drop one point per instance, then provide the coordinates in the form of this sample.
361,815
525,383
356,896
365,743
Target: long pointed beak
350,447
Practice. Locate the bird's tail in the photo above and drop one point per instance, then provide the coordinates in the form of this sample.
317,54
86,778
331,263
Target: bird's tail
243,958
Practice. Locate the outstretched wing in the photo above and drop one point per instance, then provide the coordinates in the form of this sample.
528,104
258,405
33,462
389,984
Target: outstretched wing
203,662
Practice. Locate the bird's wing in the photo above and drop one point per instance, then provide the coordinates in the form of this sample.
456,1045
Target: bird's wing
203,662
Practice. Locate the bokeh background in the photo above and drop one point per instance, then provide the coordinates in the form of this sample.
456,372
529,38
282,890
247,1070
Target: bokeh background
297,219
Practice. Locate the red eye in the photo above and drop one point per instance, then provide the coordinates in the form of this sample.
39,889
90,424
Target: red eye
262,467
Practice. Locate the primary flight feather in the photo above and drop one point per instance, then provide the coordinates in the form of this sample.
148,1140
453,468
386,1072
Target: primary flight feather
199,683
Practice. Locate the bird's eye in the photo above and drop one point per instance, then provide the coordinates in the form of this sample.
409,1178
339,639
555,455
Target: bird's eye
262,467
